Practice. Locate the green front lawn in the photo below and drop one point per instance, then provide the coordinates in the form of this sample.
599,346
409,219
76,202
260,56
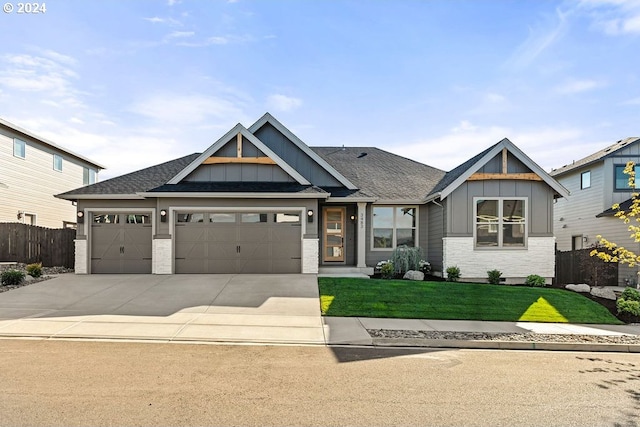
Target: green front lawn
403,299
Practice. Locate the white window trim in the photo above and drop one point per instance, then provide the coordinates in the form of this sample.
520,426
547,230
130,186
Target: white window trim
55,156
500,224
581,180
394,238
14,148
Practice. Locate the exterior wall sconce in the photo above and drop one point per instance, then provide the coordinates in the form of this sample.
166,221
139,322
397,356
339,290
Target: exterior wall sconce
585,239
163,215
80,217
20,214
353,217
310,215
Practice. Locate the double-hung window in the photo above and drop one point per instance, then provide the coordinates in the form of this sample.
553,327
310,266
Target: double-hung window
394,226
500,222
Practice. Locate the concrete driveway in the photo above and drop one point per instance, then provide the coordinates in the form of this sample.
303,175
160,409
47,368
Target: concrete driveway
225,308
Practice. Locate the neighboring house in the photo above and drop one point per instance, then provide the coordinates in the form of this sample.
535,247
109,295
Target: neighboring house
596,182
259,200
32,171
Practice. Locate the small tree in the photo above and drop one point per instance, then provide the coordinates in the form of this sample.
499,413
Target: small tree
612,251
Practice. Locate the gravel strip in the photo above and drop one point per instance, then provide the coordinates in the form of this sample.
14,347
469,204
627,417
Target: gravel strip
46,275
527,337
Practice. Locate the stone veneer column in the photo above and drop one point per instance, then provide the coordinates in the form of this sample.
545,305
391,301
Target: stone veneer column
81,260
310,256
362,234
161,256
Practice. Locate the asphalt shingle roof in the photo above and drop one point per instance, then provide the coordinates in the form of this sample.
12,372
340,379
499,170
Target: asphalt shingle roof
598,155
453,174
237,187
381,174
135,182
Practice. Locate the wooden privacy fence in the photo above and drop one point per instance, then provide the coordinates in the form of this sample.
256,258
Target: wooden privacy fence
53,247
579,267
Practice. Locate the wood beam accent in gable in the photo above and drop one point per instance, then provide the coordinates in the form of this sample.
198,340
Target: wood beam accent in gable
239,144
247,160
497,176
504,160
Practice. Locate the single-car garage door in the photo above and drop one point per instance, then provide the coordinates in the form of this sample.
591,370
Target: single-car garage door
121,243
238,242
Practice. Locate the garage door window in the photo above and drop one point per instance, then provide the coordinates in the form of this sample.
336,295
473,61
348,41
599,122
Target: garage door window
286,217
190,217
222,217
106,218
139,219
253,217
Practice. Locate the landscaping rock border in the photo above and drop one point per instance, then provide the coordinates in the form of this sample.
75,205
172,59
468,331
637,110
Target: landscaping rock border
47,273
512,337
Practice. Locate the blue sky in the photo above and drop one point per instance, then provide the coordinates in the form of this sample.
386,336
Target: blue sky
132,84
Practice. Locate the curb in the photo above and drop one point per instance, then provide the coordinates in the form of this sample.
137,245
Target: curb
505,345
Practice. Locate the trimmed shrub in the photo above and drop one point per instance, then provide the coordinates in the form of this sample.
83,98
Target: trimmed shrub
11,277
35,269
630,294
626,306
535,281
387,271
453,273
493,276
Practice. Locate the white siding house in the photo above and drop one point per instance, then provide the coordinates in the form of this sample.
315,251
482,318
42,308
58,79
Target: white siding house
595,183
32,171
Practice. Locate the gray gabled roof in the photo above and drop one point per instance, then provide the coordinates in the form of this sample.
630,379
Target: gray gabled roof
454,178
134,182
52,144
383,175
268,118
597,156
223,141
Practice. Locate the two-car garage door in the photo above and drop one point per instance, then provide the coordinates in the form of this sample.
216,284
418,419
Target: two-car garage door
237,242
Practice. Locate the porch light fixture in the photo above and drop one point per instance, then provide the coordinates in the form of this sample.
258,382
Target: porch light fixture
353,217
163,215
310,215
20,214
80,217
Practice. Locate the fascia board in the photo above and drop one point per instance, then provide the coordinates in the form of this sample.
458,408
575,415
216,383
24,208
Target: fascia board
304,147
247,195
100,196
350,199
505,143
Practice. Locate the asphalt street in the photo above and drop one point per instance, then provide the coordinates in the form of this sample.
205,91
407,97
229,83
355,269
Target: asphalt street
57,382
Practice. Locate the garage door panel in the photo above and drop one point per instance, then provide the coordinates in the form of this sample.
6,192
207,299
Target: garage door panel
257,244
120,247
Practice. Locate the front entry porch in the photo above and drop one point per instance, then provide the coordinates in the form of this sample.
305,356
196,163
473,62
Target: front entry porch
342,240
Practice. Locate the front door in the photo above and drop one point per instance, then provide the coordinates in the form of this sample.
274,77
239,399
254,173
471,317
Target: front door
333,234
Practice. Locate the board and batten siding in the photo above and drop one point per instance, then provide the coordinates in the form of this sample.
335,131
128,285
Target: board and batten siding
295,157
435,234
460,221
29,184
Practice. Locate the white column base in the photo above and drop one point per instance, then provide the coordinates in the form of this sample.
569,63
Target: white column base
310,256
82,260
161,253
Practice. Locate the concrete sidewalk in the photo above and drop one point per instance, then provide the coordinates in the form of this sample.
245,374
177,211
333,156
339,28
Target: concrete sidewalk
353,331
263,309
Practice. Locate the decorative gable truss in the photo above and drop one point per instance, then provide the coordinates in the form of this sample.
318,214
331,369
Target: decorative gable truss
510,168
247,150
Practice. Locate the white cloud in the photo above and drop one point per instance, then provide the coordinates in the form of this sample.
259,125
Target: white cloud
540,38
549,147
577,86
613,17
188,109
284,103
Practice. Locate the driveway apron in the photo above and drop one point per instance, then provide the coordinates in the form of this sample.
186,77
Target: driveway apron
212,307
